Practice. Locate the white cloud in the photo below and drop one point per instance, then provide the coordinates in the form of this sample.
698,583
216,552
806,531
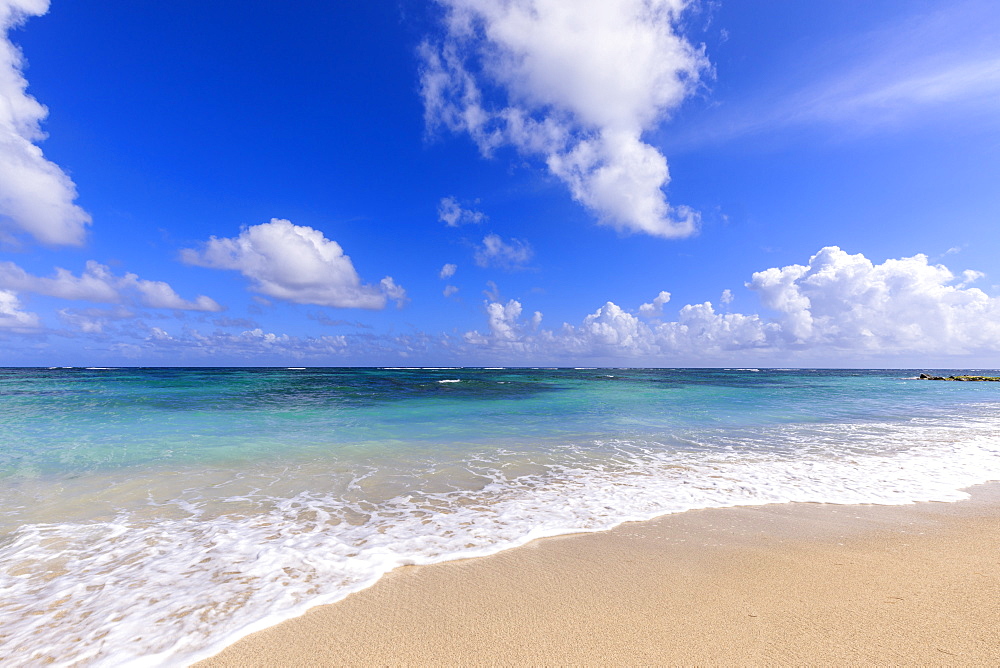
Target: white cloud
505,325
610,326
656,306
847,302
36,196
98,284
576,83
970,276
447,271
449,290
295,263
887,94
496,252
157,294
11,315
392,291
502,319
837,308
452,214
698,332
727,296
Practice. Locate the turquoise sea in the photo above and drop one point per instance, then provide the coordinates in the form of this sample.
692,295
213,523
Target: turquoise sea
152,516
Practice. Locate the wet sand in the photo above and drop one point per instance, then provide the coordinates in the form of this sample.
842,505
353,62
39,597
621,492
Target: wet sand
780,584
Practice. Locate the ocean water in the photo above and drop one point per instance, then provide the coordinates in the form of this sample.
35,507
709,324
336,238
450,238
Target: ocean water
152,516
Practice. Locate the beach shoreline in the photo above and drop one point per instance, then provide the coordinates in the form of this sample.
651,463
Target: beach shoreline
780,583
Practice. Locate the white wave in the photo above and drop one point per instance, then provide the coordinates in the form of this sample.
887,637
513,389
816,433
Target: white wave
180,586
450,380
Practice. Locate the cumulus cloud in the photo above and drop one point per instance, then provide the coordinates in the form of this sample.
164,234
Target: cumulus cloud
611,332
698,331
36,196
576,84
727,296
845,301
447,271
98,284
295,263
656,306
837,305
11,315
835,309
451,213
449,290
503,318
495,252
505,325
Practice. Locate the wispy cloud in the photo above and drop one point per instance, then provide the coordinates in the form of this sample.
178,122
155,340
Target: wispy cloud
93,320
943,65
875,96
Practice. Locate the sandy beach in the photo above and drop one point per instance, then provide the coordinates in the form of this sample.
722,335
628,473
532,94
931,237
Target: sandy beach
778,584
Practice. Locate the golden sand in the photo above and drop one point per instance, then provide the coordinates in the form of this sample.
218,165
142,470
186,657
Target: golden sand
782,584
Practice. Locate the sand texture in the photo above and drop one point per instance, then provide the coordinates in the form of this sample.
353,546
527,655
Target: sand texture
783,584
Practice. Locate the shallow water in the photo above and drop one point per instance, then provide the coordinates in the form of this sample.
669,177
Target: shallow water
153,515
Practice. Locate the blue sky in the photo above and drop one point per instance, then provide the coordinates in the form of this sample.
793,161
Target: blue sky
536,182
